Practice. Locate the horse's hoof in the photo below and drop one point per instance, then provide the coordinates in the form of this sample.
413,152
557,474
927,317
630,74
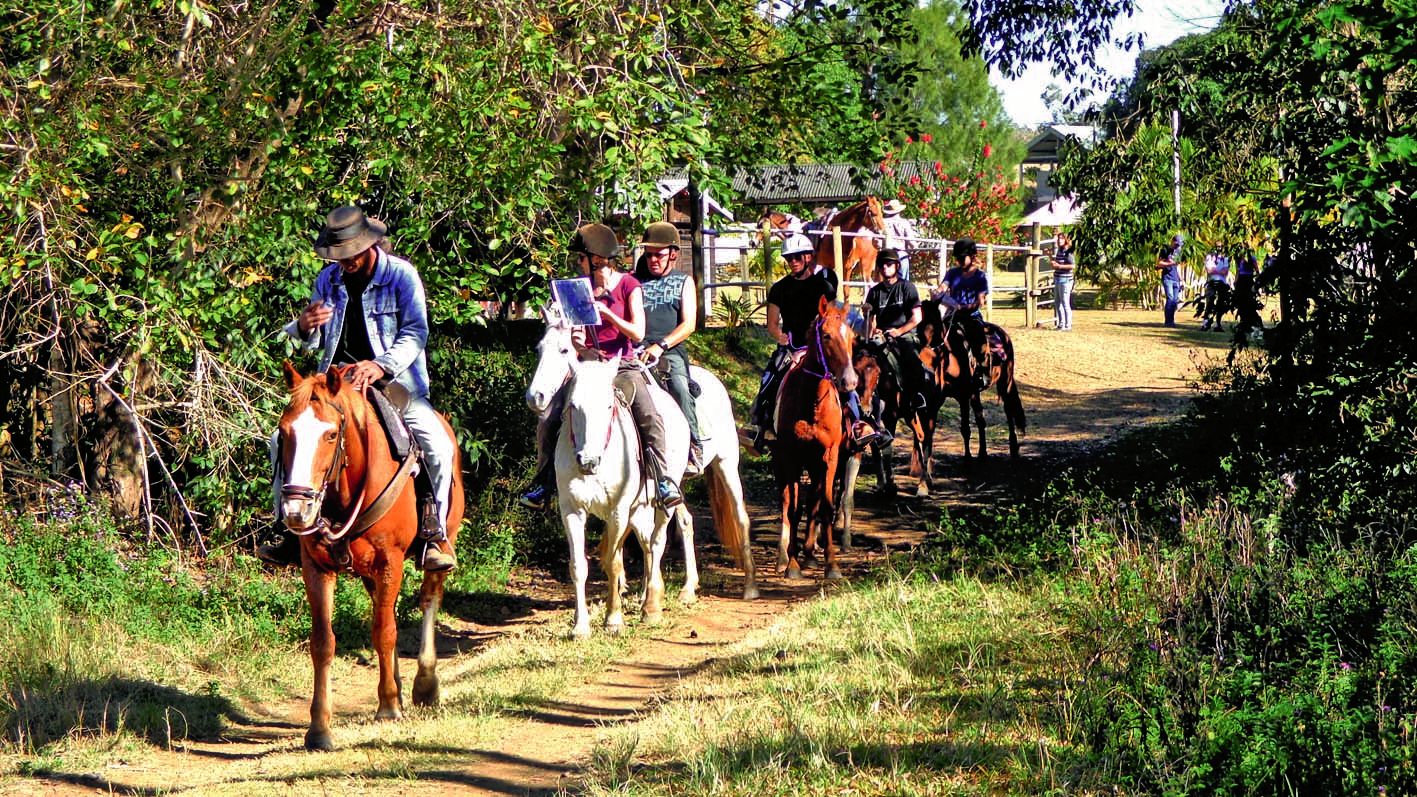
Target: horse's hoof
922,491
426,691
688,597
388,715
781,561
834,574
580,632
652,618
794,573
319,741
750,593
844,547
616,629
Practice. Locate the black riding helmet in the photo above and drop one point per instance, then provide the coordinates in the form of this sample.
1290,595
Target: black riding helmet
965,247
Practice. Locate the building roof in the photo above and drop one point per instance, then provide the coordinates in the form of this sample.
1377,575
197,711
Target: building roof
1043,148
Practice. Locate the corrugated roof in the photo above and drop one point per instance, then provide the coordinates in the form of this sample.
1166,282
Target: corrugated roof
811,183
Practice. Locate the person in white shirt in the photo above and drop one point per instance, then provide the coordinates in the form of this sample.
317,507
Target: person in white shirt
900,234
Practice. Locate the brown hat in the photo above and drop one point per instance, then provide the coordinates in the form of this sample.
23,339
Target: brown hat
660,235
595,239
888,256
348,232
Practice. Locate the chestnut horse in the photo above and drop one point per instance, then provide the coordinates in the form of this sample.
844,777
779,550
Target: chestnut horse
859,251
780,225
338,468
810,436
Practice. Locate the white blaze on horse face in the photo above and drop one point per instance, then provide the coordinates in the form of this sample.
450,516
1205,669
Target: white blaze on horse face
306,431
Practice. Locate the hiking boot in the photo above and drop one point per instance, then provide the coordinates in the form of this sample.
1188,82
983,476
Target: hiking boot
1205,327
763,439
668,493
536,498
435,560
281,548
865,435
696,458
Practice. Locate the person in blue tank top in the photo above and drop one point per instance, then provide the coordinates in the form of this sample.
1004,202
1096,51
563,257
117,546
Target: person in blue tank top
963,292
671,311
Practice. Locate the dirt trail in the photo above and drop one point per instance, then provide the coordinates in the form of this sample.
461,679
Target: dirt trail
1114,371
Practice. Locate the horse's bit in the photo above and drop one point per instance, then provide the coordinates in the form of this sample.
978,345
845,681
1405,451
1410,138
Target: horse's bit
314,499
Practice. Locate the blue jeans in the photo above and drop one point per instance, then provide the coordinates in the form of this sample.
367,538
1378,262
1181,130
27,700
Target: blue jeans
1063,301
1172,289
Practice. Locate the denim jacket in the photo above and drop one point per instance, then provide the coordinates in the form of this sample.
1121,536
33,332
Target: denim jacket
395,315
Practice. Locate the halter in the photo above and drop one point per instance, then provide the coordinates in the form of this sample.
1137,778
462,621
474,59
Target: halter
820,350
335,470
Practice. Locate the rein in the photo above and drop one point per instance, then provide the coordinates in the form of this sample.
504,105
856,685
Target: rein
820,351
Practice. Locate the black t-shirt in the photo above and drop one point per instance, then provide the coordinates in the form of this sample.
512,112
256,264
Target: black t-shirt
892,304
798,300
354,339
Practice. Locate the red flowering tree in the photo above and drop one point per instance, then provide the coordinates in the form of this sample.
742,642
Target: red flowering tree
977,201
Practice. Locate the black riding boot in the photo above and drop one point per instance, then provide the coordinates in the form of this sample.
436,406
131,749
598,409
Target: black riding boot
280,547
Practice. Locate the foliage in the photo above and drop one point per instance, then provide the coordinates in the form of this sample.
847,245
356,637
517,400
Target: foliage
976,201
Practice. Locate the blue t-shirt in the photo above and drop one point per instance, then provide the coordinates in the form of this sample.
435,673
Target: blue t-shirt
965,287
1169,252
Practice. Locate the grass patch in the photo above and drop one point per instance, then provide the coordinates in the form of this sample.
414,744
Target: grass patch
909,685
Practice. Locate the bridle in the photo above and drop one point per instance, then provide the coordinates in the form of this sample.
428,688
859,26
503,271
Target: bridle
310,495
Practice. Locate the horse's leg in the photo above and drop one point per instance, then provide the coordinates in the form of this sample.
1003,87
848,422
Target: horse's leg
826,506
685,521
848,498
654,537
575,521
617,527
978,406
787,544
964,429
320,591
807,502
924,431
927,440
430,598
385,638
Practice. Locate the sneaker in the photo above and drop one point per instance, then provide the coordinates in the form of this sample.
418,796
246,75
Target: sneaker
435,560
281,548
865,435
668,492
1205,327
536,498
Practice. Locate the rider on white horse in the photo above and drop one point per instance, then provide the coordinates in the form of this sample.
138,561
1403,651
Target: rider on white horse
622,313
670,317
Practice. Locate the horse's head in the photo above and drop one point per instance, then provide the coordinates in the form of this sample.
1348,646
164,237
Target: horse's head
837,342
591,406
875,215
557,361
312,440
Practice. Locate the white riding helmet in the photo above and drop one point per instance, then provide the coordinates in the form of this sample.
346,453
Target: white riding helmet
796,245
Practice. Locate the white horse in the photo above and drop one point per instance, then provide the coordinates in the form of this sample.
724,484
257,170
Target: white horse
715,410
599,472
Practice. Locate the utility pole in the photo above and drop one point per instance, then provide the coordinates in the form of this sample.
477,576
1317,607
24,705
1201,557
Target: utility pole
1176,161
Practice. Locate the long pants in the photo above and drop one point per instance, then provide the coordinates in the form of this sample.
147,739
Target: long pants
632,384
427,428
1172,289
676,363
1063,301
1247,305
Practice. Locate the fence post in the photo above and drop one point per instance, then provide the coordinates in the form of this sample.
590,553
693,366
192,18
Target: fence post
840,271
1030,307
696,248
767,261
989,275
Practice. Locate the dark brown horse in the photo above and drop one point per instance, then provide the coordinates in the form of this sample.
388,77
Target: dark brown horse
858,251
810,435
961,386
354,507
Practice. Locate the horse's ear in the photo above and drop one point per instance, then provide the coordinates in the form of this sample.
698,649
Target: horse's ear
334,380
548,315
822,305
292,376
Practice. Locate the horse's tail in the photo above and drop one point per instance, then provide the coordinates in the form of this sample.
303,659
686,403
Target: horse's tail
1008,389
730,517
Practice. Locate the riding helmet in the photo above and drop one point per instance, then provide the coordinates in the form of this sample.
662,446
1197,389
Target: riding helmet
888,255
659,235
595,239
965,247
796,245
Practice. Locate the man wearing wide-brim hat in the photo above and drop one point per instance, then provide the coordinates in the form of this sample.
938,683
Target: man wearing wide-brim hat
368,310
900,234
